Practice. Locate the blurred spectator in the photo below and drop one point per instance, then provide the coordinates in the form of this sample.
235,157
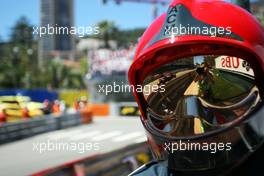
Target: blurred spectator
76,105
56,107
47,106
80,103
62,106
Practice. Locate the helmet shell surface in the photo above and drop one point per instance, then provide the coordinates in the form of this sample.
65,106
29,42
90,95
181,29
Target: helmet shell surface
246,32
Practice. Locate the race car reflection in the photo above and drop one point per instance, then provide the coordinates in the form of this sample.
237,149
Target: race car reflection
202,94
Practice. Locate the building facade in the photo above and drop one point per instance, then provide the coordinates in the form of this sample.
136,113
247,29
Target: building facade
58,18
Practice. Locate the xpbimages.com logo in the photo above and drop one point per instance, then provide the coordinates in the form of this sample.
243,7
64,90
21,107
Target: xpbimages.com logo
125,88
60,146
195,30
80,31
211,147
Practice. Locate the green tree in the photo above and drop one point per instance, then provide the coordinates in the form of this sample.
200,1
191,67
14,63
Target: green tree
125,37
243,3
107,28
84,66
262,21
58,75
22,33
18,64
18,57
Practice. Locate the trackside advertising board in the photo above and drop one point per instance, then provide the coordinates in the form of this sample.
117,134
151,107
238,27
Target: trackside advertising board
233,64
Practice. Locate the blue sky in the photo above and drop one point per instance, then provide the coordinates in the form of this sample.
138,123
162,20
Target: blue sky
87,12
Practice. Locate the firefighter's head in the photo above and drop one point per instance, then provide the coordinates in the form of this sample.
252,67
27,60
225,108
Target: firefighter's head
204,62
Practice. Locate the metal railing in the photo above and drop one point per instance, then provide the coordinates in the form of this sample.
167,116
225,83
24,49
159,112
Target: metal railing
19,130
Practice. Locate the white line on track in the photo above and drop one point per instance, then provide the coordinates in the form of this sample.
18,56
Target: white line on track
142,139
84,135
106,136
128,136
62,134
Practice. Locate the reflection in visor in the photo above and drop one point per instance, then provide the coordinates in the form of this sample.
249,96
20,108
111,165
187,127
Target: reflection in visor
200,94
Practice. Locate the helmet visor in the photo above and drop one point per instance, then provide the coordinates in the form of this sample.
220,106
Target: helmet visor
197,95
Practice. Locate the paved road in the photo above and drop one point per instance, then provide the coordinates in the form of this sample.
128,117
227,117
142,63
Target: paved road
24,157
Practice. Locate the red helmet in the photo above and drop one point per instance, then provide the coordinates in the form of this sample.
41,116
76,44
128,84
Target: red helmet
200,66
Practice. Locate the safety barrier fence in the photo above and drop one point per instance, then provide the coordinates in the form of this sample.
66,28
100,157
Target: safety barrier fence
20,130
114,109
119,162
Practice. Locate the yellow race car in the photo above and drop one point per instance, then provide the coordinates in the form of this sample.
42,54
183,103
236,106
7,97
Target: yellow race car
17,108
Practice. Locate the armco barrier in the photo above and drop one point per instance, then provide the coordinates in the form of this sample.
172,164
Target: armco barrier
20,130
116,163
114,109
99,109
